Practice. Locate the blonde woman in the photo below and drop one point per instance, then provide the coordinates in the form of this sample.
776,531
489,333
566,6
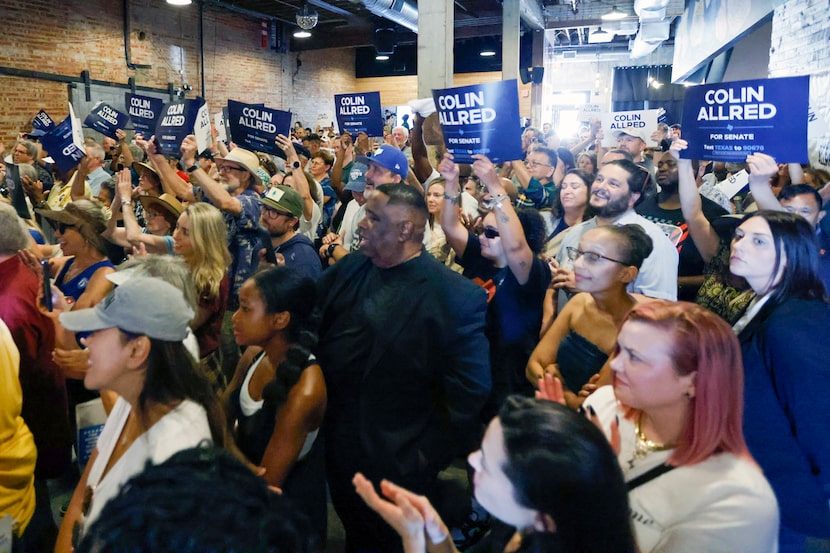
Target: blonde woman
201,239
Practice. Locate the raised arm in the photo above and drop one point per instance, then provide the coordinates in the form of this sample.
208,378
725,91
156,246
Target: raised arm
217,193
454,230
171,183
761,169
420,156
300,181
701,231
519,255
79,182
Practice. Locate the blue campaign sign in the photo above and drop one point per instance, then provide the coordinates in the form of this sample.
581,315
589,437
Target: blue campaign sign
359,112
176,122
481,119
255,127
728,121
62,144
144,111
106,119
42,122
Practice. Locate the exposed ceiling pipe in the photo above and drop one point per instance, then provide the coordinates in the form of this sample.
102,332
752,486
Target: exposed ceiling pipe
398,11
406,15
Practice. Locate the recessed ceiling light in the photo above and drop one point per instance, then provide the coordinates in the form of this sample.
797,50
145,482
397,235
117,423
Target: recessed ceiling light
487,53
381,57
179,2
301,34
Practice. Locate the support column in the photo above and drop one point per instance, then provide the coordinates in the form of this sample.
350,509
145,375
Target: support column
436,37
511,24
538,57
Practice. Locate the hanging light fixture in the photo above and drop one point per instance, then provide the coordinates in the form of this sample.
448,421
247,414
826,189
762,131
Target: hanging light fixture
302,33
614,15
306,17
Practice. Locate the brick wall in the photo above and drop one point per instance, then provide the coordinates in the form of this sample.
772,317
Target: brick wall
66,38
800,45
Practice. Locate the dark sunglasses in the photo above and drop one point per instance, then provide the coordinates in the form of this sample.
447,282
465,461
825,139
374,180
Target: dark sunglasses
490,232
61,227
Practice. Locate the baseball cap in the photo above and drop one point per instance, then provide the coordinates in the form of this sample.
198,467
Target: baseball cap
142,305
285,199
388,157
357,177
631,131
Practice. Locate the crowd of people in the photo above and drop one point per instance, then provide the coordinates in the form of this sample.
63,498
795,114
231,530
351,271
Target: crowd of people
344,322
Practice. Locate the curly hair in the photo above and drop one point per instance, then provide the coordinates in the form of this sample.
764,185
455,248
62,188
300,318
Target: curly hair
200,499
533,227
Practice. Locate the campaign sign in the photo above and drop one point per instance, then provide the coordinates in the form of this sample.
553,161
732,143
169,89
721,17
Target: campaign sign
106,119
255,127
65,142
359,112
144,111
202,129
42,122
177,121
728,121
481,119
219,125
637,121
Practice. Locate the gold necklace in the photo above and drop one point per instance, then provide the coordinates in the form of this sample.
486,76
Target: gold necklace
643,446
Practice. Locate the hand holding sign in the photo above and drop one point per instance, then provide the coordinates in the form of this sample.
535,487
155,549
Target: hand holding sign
189,150
288,147
761,168
677,145
486,171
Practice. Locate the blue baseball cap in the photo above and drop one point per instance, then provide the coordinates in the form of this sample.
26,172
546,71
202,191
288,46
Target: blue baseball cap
388,157
357,177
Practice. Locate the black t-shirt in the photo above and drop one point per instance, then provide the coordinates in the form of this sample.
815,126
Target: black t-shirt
674,225
514,317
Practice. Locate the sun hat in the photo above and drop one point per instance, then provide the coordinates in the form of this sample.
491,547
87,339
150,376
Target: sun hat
90,223
245,158
284,199
357,177
388,157
166,204
147,306
139,166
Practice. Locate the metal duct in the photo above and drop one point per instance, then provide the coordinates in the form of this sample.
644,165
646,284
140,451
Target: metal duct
398,11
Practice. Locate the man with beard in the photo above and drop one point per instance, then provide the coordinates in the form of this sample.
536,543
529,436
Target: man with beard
664,210
282,208
617,188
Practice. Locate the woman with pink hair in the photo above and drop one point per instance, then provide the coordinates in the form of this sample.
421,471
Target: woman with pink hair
675,416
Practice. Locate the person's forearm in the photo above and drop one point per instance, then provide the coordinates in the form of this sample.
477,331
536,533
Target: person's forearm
171,183
521,172
420,155
451,224
691,206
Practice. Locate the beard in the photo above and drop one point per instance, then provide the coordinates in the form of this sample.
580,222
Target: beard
613,207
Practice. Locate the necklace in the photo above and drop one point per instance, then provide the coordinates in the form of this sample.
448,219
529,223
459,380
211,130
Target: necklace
643,446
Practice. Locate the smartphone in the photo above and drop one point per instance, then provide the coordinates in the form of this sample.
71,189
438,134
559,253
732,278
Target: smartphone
47,285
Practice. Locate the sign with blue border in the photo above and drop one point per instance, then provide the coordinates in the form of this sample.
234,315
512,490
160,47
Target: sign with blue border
729,121
481,119
359,112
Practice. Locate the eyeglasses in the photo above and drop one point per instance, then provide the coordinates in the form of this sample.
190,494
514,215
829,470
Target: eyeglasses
534,164
231,168
61,227
590,257
271,213
490,233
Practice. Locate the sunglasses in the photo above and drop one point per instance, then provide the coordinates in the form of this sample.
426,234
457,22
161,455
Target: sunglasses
490,233
61,227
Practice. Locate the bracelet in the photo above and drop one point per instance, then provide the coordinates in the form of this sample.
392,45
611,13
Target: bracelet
126,203
41,205
452,199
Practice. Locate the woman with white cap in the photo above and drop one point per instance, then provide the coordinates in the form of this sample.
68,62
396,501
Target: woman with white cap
165,405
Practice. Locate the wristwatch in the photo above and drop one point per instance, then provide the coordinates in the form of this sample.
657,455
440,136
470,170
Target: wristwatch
193,167
498,199
296,165
451,199
330,250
